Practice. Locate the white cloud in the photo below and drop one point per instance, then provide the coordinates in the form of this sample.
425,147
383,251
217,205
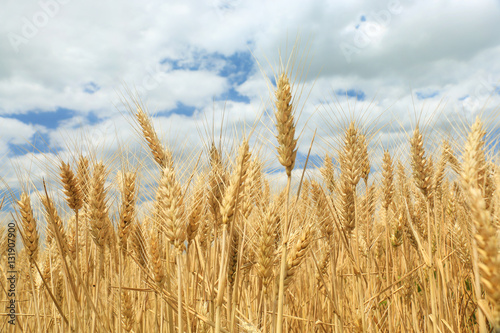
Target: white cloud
400,48
14,132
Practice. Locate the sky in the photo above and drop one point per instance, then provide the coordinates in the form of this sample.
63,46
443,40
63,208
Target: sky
68,66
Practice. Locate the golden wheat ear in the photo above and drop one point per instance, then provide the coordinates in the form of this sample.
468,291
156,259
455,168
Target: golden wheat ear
236,184
28,223
98,207
328,174
161,155
128,313
54,222
387,180
420,164
127,209
351,167
298,254
171,209
71,187
154,250
285,124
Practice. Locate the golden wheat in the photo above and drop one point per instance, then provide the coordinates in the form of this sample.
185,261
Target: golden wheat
414,247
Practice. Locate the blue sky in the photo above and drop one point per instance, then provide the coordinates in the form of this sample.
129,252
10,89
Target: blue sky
65,66
48,119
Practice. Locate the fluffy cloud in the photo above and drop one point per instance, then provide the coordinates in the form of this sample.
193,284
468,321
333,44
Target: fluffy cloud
185,59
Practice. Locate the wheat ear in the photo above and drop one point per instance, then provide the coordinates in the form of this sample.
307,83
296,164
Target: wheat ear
98,208
285,124
419,163
236,184
365,161
71,187
387,180
53,221
170,208
327,172
297,254
127,209
158,272
127,309
28,223
161,155
216,183
351,166
266,246
325,221
474,161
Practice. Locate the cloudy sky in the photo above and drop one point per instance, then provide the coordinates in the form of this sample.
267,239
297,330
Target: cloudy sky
67,65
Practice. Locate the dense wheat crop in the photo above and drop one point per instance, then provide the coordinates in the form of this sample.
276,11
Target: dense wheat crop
222,247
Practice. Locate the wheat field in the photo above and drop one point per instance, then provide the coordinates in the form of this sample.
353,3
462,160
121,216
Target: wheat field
223,247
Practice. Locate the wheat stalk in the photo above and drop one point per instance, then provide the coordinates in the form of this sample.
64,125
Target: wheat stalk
228,211
287,152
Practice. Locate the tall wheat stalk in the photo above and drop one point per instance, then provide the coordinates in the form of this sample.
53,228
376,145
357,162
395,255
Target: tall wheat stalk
287,153
229,209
